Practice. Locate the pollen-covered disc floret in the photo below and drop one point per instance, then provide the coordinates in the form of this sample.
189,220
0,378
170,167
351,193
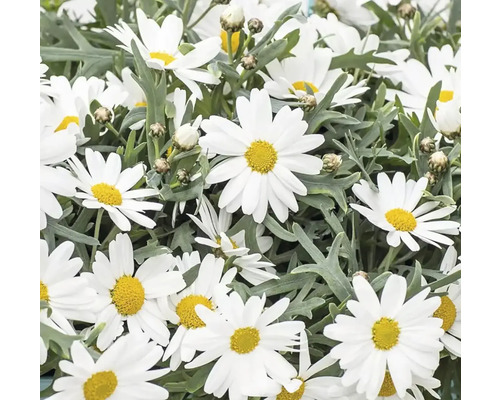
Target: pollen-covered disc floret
385,333
107,194
387,388
401,220
186,310
128,295
261,156
245,340
297,395
100,385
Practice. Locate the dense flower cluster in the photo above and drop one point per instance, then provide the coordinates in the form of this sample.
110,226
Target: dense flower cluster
250,198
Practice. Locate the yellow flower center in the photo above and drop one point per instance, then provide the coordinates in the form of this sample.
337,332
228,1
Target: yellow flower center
401,219
218,240
235,40
301,85
141,104
127,295
70,119
107,194
261,156
186,312
245,340
100,385
447,312
385,333
387,388
165,57
297,395
44,292
445,96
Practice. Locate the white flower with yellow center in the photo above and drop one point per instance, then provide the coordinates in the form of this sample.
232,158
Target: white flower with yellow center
180,308
160,49
394,209
262,155
70,297
309,71
247,347
121,372
108,187
216,226
386,335
131,297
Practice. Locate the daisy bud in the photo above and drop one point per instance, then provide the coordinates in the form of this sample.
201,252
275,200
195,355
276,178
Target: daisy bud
249,61
255,25
432,178
185,138
223,2
331,162
157,130
308,101
438,162
103,115
427,145
162,166
183,176
452,135
232,19
406,11
362,274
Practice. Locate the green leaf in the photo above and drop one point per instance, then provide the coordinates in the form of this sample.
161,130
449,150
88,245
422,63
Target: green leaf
108,11
59,342
415,278
361,61
455,276
285,284
135,115
152,249
276,229
70,234
426,127
197,381
183,237
307,244
303,308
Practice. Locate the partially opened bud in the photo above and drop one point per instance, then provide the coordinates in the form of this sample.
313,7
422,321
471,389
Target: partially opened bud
309,102
157,130
427,145
103,115
331,162
232,19
438,162
162,166
249,61
185,138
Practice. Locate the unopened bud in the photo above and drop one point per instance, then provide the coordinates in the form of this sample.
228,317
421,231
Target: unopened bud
183,176
249,61
453,135
162,166
185,138
308,101
232,19
255,25
438,162
427,145
103,115
223,2
331,162
432,178
157,130
406,11
362,274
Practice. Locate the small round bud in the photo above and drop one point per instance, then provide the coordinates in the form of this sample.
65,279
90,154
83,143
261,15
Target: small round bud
185,138
255,25
452,135
406,11
103,115
431,178
249,61
308,101
223,2
331,162
427,145
157,130
438,162
232,19
183,176
362,274
162,166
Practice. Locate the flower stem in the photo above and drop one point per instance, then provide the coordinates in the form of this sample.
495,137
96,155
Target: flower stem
230,46
212,5
389,258
116,133
97,228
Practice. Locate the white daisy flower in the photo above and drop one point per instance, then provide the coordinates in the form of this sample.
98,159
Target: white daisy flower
351,12
108,187
159,49
187,261
131,297
394,209
121,372
449,264
320,388
290,77
69,296
246,345
180,308
389,334
262,155
81,11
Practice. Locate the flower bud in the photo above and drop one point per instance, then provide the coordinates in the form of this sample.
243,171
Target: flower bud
223,2
438,162
157,130
249,61
308,101
427,145
406,11
232,19
331,162
162,166
432,178
452,135
103,115
183,176
362,274
255,25
185,138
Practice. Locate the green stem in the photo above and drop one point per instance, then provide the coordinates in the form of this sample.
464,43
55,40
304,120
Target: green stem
111,235
247,41
229,47
97,228
157,148
389,258
172,155
116,133
212,5
175,185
